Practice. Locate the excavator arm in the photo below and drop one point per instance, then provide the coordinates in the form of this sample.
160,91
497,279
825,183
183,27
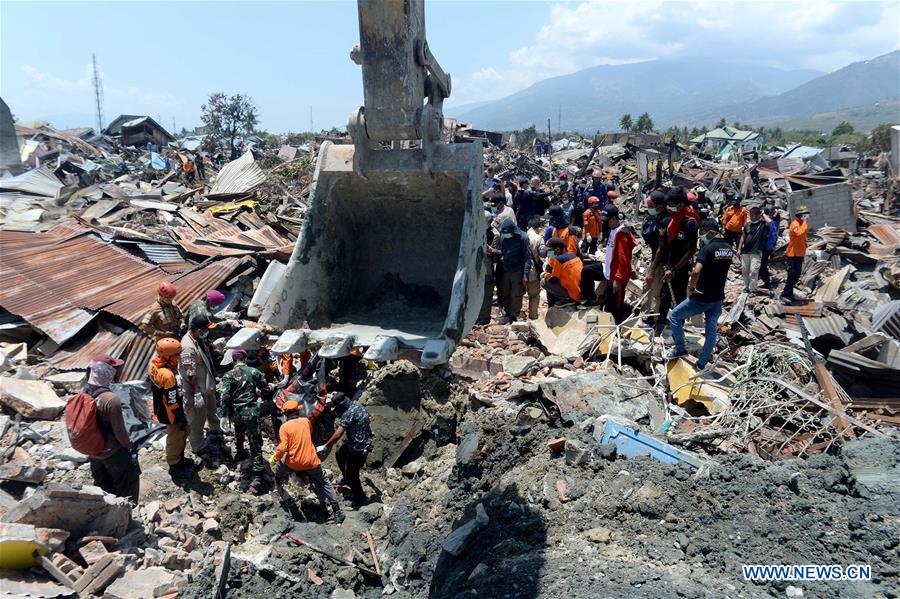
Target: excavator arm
390,257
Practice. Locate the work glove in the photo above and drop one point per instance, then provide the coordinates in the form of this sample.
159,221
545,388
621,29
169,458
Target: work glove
272,460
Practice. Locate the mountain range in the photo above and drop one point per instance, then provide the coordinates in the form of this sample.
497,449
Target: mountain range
687,93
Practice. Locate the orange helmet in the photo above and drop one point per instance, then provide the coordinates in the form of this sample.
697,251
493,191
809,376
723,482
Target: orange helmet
292,405
167,346
166,289
593,200
611,195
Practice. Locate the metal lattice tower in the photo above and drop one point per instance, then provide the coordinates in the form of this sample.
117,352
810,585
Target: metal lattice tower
98,95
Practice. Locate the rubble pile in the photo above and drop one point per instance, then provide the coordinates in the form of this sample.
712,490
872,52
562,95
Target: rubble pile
561,456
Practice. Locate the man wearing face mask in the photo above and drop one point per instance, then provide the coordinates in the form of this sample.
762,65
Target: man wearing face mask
774,232
593,224
750,248
561,229
734,218
651,231
796,252
706,291
163,319
197,369
677,247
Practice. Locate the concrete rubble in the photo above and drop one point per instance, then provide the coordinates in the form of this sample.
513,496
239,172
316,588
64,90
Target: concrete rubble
555,457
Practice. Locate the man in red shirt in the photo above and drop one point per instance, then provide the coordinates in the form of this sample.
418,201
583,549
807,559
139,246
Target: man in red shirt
616,266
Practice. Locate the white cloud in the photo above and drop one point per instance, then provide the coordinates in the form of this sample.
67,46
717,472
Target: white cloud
823,35
37,78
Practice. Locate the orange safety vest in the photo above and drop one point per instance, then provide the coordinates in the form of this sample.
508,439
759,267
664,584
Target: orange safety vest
570,240
592,223
569,275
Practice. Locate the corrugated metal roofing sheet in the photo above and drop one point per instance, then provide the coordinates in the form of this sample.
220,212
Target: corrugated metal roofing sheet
885,234
79,270
78,358
238,176
39,181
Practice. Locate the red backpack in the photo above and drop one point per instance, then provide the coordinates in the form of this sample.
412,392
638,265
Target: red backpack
84,431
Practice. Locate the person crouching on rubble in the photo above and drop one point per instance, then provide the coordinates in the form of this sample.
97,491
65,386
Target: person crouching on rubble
115,469
706,292
198,379
241,389
351,457
167,405
163,319
562,279
296,453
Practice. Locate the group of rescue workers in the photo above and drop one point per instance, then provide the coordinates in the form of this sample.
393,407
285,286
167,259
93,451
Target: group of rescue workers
564,242
538,239
193,403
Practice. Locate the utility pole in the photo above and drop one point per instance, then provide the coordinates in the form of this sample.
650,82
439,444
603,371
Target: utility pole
98,94
174,129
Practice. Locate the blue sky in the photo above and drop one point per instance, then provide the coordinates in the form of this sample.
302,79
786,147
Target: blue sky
164,58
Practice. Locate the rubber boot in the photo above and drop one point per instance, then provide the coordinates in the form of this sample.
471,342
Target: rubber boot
336,516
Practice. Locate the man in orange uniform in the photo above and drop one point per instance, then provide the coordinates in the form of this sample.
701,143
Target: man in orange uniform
561,229
593,222
562,281
734,218
167,406
296,453
796,252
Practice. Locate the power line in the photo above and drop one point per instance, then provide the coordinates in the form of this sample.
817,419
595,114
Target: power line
98,94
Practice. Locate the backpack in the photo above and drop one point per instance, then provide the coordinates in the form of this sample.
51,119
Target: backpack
82,426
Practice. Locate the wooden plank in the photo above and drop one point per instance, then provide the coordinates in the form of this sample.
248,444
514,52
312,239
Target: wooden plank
371,542
55,572
411,434
222,573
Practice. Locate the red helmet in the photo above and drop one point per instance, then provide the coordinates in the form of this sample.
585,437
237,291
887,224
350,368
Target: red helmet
593,200
597,173
166,289
692,197
563,176
611,195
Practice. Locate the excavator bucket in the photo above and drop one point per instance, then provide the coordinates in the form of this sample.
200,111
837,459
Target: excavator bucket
391,254
391,259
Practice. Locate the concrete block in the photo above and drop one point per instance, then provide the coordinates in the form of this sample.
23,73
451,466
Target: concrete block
140,584
32,399
79,511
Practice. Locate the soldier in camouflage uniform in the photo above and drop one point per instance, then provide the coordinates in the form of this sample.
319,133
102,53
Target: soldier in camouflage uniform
242,387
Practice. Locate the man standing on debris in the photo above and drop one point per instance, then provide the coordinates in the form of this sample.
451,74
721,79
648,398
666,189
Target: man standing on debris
734,218
204,307
597,188
115,469
201,168
751,246
501,212
562,279
774,231
796,252
707,293
529,202
296,453
351,457
617,262
163,319
593,223
676,250
536,252
515,259
242,387
198,380
652,230
168,407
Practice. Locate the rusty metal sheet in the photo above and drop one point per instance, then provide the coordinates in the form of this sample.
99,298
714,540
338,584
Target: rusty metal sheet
105,342
886,234
810,309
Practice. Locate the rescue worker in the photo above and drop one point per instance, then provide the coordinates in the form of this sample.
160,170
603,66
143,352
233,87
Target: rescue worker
616,266
167,405
676,250
529,202
204,306
197,369
733,219
536,253
750,248
774,232
562,279
597,187
796,252
189,170
593,223
241,388
115,469
515,259
163,319
351,457
651,231
561,229
707,293
201,168
296,454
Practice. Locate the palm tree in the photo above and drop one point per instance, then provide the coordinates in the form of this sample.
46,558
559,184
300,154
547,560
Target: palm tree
625,123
